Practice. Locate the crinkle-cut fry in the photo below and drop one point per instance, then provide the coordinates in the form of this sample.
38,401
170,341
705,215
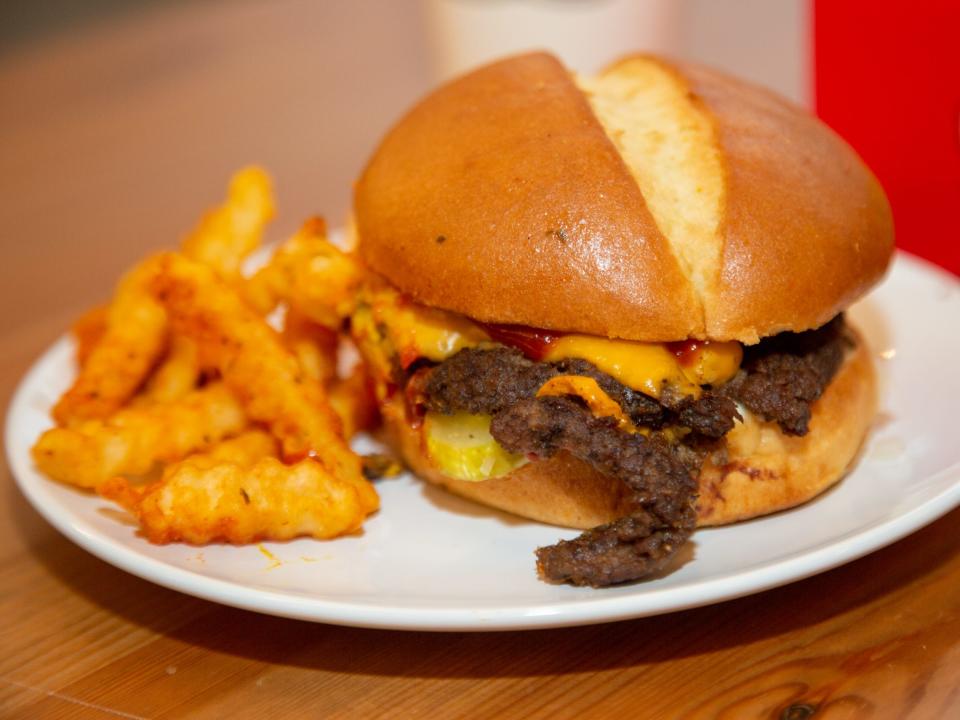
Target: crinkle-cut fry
227,234
133,440
259,291
311,275
178,373
314,346
87,331
354,401
245,449
254,364
202,500
270,285
133,339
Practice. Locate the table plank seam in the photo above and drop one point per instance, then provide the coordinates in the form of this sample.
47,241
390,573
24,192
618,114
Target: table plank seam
76,701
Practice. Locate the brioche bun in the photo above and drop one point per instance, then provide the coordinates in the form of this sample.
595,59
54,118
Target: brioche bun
659,201
764,470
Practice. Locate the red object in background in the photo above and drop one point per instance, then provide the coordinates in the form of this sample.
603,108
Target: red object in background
888,80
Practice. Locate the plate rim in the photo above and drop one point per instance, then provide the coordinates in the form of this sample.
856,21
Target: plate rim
576,612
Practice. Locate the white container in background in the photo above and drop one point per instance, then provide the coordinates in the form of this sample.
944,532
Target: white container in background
585,34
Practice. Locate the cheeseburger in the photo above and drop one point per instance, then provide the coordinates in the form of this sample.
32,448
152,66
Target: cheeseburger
616,303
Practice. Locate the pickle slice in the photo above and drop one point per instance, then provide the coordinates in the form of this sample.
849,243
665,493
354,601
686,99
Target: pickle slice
461,447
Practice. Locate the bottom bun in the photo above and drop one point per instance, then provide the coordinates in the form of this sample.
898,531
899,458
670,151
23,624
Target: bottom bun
763,470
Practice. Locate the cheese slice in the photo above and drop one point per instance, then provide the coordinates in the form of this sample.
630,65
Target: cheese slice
587,389
646,367
649,367
417,331
408,331
712,363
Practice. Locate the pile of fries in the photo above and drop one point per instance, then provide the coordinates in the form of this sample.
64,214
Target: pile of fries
197,416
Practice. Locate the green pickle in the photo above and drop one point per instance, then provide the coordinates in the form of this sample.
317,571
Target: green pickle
461,447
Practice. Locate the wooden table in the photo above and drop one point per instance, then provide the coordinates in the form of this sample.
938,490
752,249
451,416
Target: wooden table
111,142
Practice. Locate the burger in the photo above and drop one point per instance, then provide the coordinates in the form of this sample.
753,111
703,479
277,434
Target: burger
616,303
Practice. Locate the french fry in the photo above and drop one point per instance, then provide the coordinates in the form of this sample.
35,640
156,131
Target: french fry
254,364
134,440
177,375
177,319
314,346
133,339
87,331
117,351
226,235
311,275
246,449
353,399
202,500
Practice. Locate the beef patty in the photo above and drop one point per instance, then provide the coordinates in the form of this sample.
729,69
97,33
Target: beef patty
486,381
783,375
662,490
779,380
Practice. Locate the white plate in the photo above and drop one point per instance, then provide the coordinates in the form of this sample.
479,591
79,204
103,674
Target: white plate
429,561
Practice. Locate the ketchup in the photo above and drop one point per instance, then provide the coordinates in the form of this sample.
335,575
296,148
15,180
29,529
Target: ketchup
408,356
300,455
532,342
535,342
686,350
414,397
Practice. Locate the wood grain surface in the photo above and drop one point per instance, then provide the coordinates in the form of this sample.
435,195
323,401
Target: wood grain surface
111,141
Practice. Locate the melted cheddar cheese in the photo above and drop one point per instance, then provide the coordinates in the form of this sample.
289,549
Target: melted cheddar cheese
713,363
587,389
646,367
417,331
649,367
391,328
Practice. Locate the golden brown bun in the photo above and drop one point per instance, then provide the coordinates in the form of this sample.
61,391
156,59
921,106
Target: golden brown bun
765,470
659,201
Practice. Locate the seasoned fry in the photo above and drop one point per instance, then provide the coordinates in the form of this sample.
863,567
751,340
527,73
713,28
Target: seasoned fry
353,399
314,346
177,375
229,233
133,440
87,331
117,351
245,449
251,358
203,499
133,339
315,278
182,369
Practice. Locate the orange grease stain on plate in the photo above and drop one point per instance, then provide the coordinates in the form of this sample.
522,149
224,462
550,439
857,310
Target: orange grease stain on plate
275,562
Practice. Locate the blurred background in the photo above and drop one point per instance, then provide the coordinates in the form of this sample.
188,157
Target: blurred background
121,120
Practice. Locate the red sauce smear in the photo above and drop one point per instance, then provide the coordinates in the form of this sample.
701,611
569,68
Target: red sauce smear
532,342
415,399
686,350
408,356
535,342
293,458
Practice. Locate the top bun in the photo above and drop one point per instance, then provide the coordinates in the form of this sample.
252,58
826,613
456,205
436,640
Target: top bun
658,201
